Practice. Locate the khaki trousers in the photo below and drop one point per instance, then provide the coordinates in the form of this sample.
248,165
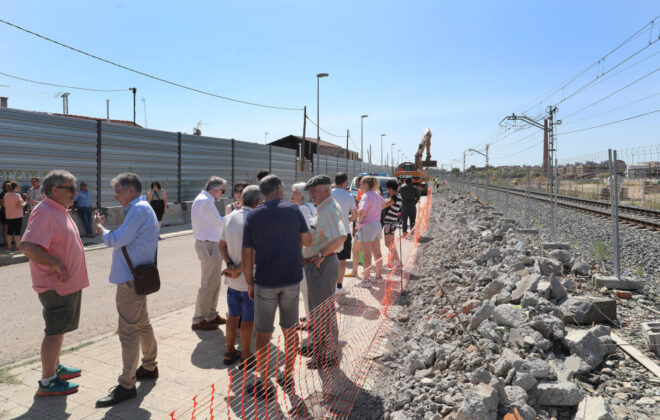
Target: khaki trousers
209,290
135,332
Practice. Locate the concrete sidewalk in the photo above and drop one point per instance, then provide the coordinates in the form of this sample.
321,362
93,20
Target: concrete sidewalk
189,362
91,244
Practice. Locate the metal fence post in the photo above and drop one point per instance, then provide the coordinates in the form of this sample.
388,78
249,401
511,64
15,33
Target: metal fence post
99,155
614,200
508,181
498,205
178,175
527,200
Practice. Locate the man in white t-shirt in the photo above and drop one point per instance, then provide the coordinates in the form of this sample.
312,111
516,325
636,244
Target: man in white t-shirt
239,303
349,213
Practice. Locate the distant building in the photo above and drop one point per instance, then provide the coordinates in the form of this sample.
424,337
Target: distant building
309,147
82,117
644,170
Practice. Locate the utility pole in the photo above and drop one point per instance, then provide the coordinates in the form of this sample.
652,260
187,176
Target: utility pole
303,146
134,90
107,110
347,134
144,102
362,117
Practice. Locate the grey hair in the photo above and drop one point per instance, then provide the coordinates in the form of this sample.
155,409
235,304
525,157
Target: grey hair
269,184
54,179
251,195
215,182
127,179
300,187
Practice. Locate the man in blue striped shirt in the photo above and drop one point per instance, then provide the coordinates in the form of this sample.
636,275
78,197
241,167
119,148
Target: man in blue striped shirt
321,270
139,234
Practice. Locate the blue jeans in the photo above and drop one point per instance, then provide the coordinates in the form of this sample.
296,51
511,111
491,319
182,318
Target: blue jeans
86,216
406,213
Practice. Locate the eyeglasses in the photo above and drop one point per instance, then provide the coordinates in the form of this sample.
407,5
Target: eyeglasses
238,191
69,188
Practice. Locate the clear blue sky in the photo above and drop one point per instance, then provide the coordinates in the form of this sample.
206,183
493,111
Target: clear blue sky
455,67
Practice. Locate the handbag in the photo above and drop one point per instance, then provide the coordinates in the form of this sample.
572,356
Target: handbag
146,277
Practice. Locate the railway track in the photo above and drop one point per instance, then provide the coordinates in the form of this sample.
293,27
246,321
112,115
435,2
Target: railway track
638,216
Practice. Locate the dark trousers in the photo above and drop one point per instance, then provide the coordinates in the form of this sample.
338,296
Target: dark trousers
408,212
322,315
86,216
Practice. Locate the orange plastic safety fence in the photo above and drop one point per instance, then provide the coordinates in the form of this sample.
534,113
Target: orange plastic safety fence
344,335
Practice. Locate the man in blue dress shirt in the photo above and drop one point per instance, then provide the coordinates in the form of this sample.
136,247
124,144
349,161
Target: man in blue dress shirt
84,208
139,234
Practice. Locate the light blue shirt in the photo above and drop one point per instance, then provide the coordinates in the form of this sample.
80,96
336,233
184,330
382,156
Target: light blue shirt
84,199
139,234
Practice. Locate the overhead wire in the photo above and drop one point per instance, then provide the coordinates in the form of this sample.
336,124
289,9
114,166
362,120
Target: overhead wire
63,86
610,110
611,122
160,79
322,129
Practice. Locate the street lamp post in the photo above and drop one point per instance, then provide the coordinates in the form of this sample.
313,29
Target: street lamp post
318,123
381,148
144,102
362,117
392,154
398,153
266,137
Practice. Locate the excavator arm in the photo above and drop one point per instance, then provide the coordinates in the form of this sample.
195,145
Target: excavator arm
425,144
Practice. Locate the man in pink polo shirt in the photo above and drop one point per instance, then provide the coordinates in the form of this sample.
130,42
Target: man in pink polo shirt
59,273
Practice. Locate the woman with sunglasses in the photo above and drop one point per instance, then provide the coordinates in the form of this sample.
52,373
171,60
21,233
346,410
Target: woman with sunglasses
238,196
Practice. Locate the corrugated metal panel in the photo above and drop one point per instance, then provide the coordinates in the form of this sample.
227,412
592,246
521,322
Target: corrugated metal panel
283,164
249,158
151,154
33,144
201,158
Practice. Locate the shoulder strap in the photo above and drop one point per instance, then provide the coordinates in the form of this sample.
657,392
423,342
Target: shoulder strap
130,263
128,260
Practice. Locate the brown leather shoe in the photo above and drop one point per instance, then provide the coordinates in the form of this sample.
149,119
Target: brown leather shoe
218,320
204,325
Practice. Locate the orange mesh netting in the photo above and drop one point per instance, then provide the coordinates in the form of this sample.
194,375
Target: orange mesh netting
350,328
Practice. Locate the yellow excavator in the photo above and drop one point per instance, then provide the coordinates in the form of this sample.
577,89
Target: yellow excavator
417,170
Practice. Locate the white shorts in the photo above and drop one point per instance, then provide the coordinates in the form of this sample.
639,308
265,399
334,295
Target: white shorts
369,232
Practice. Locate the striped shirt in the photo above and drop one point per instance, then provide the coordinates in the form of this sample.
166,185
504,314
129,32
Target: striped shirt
326,226
392,215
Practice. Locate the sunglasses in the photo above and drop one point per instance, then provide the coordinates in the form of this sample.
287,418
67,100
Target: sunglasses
71,189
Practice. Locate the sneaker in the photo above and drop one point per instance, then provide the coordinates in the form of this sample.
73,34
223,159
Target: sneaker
142,373
67,373
340,292
56,388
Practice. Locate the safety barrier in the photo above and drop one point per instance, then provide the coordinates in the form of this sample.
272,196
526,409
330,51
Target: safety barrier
348,331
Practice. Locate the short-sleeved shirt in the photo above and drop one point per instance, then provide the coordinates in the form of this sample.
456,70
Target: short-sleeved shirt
346,203
232,234
326,227
372,204
392,212
13,204
35,194
84,199
273,230
50,226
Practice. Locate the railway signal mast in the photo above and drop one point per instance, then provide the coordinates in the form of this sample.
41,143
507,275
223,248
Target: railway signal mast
552,149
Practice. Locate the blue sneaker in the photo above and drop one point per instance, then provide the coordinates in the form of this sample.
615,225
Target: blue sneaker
67,373
57,387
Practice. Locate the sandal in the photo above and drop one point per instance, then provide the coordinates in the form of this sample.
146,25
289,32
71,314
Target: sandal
231,357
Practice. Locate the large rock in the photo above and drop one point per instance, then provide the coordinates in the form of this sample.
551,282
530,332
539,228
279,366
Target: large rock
593,408
586,345
508,315
588,310
549,326
558,289
480,403
488,329
580,268
562,372
517,397
524,381
505,362
492,288
538,368
527,283
415,362
481,314
549,266
561,255
525,337
557,394
492,254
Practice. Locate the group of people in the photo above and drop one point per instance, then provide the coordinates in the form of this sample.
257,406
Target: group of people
273,251
13,205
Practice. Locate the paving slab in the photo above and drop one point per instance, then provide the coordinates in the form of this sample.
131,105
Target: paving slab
613,282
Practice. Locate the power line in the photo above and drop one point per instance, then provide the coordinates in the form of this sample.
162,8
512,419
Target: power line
612,109
611,122
613,93
518,153
160,79
570,80
64,86
325,131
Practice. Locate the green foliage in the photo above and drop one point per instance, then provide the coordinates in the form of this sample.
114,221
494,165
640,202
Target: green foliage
639,270
602,251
